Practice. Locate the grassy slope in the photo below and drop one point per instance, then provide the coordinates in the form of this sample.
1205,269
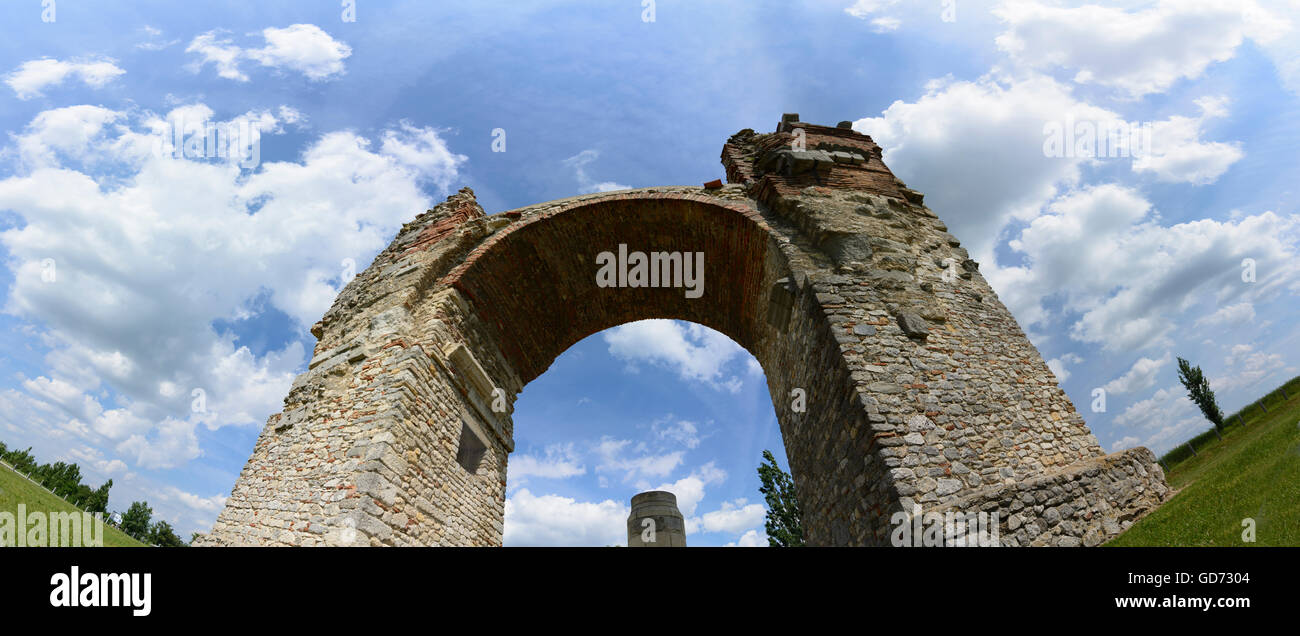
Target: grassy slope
1253,473
15,489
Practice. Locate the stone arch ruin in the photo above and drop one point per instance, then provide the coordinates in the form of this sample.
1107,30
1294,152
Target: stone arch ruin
900,382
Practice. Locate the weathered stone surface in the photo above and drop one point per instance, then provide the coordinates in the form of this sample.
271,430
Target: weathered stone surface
827,271
655,522
913,326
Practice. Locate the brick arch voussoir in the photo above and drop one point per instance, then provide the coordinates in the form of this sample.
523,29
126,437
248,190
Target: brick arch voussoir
531,333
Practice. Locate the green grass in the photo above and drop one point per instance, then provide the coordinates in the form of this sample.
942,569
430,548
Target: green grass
1254,472
16,489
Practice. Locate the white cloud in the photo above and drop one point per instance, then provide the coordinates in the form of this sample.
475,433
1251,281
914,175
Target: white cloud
689,490
1285,49
734,517
586,185
1229,316
1249,368
171,443
614,458
1140,377
150,260
1102,252
866,8
34,76
304,48
751,539
976,149
211,504
1160,421
1177,153
1057,366
95,467
553,520
558,462
885,24
697,353
681,432
1139,51
221,53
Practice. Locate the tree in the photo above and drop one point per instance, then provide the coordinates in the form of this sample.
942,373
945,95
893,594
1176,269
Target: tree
1198,389
23,461
136,520
784,527
98,500
161,534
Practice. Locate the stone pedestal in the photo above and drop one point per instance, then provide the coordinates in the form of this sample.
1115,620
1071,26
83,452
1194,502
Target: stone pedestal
655,521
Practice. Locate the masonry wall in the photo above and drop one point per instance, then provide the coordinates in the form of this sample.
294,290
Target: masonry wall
898,377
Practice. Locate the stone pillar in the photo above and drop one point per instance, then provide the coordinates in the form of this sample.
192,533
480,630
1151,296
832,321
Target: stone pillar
655,521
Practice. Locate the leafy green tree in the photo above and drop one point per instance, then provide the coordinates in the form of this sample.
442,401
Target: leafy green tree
98,500
136,520
21,460
161,534
1198,389
784,526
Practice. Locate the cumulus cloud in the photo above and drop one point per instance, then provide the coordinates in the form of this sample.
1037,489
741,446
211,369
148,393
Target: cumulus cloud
633,460
695,352
136,268
559,461
1103,252
209,504
734,517
1058,366
1137,52
303,48
553,520
976,149
1177,153
34,76
751,539
1160,421
689,491
1140,377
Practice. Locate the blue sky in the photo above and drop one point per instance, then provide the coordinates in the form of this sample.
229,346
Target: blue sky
132,279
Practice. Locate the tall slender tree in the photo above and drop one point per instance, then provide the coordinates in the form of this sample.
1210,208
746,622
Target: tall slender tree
784,526
1198,389
136,520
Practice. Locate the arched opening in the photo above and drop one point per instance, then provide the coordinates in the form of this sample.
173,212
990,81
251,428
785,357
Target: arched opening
534,289
650,405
